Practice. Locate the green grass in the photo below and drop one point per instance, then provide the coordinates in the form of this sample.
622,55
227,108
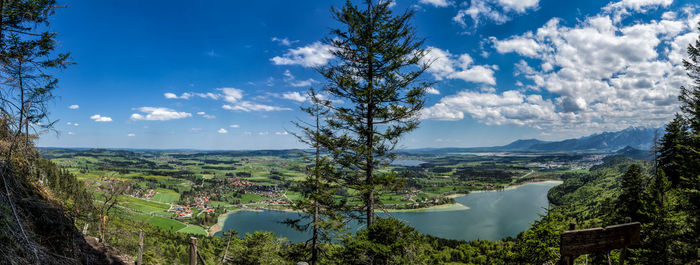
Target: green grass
142,205
249,197
165,223
193,229
162,222
293,195
218,203
166,196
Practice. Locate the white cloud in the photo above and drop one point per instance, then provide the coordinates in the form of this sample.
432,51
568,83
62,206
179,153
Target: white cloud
519,6
292,81
74,106
597,75
131,135
158,114
71,133
234,126
296,96
497,11
250,106
281,133
623,8
435,3
510,107
432,90
205,115
444,65
523,45
284,41
188,95
303,83
263,133
222,131
100,118
231,95
313,55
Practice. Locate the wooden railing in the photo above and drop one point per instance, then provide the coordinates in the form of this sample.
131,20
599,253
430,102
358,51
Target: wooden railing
575,243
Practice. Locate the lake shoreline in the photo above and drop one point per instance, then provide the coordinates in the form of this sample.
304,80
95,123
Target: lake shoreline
220,222
434,208
490,215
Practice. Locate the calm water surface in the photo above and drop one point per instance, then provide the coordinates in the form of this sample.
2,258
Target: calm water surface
491,215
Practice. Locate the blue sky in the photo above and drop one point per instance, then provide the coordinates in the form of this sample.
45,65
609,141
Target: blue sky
229,74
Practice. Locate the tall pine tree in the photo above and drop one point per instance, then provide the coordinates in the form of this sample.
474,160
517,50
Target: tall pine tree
376,77
629,202
690,106
318,203
26,53
672,149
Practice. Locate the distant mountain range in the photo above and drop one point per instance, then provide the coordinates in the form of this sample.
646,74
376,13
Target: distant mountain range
637,138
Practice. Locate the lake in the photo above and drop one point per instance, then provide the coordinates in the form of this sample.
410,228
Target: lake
491,215
407,162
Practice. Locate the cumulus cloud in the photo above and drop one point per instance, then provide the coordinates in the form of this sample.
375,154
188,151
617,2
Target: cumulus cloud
497,11
231,95
222,131
596,75
296,96
444,65
158,114
623,8
313,55
432,90
74,106
100,118
131,135
436,3
510,107
234,126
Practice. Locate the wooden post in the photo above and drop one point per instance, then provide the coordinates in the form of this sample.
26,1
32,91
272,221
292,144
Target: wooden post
85,228
104,227
140,256
569,260
223,259
623,251
193,251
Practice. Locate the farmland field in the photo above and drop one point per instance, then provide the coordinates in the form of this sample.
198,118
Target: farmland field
187,191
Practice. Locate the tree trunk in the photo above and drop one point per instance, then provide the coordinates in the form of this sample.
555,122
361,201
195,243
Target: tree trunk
370,126
314,239
228,243
104,227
